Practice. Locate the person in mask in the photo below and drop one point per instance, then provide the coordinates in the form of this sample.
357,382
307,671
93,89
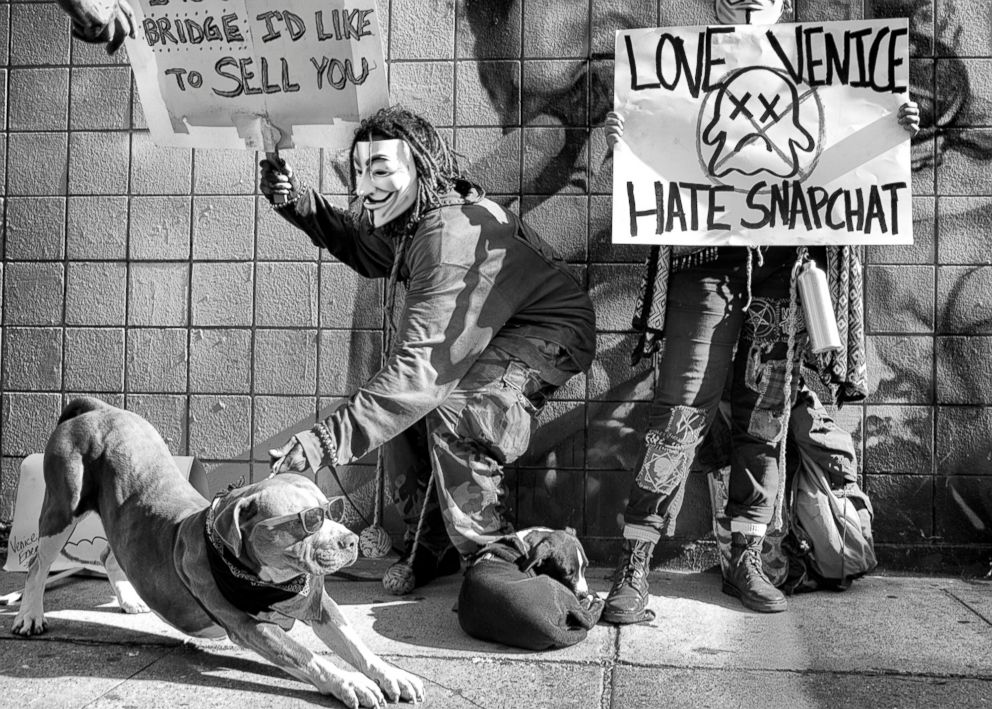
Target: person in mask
492,323
726,311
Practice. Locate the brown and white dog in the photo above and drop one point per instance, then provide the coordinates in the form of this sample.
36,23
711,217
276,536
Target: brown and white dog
107,22
529,590
246,565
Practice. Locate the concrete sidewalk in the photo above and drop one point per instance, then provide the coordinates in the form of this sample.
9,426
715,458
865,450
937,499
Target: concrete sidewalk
890,641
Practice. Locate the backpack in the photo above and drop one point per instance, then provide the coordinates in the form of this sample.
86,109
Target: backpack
830,542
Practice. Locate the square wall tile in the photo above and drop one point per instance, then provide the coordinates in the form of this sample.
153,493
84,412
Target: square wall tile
48,156
286,362
157,360
425,88
286,294
899,439
220,361
158,294
347,300
488,94
98,162
899,369
563,222
28,45
421,31
963,306
348,359
554,29
224,172
38,99
899,298
963,444
28,421
35,228
964,369
278,239
160,170
32,358
223,293
94,359
160,228
277,419
101,98
491,158
34,293
220,427
96,293
97,228
489,30
224,228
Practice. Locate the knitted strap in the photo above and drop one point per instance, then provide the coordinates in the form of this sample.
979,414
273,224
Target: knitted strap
778,522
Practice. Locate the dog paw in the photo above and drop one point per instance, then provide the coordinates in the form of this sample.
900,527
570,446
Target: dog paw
129,600
397,684
28,624
355,690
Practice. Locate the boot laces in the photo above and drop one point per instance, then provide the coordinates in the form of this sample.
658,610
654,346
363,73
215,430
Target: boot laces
633,568
751,559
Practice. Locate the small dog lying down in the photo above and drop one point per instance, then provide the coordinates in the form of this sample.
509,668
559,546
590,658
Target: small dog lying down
246,565
529,590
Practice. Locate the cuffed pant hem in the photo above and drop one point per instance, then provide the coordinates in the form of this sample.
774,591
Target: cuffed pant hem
640,533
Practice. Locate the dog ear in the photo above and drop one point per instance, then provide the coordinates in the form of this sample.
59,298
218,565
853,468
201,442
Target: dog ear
537,554
228,519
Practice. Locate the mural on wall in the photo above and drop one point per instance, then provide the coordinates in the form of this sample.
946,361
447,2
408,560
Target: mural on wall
923,461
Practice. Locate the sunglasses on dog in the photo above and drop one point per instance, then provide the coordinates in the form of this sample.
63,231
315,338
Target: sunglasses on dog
310,519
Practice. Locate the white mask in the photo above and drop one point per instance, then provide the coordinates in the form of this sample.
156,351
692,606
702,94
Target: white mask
385,178
748,12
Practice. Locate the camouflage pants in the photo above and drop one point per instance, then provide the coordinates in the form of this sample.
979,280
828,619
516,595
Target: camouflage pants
484,424
712,341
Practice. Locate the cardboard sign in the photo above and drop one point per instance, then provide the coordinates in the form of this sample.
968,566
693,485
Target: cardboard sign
748,135
88,540
257,75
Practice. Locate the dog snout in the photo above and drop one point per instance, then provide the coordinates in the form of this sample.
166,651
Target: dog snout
347,542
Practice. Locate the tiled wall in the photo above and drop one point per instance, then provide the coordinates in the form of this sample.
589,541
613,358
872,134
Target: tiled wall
159,280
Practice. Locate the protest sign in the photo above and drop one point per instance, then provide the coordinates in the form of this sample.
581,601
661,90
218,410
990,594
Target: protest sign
255,74
763,135
88,541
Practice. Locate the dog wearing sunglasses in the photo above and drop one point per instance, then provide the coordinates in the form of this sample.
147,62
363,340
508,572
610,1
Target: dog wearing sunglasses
246,565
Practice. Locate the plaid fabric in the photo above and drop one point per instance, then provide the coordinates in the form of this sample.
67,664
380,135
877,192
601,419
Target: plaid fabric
844,372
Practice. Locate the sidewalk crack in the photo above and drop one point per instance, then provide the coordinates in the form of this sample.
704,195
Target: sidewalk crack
966,605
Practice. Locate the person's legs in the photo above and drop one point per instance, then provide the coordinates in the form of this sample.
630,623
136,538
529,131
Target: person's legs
758,407
702,326
484,424
407,461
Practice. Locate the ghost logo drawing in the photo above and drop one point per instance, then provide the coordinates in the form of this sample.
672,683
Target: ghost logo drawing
758,121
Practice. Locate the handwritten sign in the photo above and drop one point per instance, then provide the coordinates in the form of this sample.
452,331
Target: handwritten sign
87,542
763,135
257,74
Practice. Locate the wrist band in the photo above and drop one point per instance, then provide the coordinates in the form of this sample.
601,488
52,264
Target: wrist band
326,442
302,186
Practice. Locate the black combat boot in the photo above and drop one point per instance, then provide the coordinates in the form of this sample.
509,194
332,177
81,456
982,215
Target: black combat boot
628,599
746,577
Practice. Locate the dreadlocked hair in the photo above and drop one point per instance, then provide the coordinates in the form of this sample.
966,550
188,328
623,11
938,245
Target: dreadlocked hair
437,166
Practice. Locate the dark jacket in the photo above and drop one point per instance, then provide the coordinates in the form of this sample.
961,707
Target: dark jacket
476,276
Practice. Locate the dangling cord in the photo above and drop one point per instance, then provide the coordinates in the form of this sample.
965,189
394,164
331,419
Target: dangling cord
423,514
778,522
752,251
376,537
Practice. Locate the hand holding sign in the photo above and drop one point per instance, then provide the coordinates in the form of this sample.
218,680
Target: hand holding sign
773,135
101,21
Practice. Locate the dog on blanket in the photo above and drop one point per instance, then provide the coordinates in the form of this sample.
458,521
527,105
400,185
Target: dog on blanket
246,565
529,590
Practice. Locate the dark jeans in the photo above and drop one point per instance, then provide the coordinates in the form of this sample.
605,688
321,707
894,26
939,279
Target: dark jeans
708,336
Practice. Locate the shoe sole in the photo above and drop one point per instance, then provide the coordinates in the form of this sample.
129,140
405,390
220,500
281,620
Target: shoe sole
620,618
772,607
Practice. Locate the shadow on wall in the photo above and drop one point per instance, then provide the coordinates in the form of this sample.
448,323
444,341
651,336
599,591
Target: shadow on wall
586,445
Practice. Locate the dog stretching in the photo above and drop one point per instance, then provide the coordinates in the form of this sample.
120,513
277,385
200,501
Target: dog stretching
246,565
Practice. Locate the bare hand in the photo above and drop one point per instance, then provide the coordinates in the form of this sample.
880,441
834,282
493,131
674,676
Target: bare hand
614,128
277,178
89,27
909,117
288,459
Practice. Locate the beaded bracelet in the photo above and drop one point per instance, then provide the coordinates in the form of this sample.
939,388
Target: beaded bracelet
326,442
301,188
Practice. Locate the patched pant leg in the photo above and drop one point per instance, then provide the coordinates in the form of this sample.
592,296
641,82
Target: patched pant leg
758,406
483,425
407,463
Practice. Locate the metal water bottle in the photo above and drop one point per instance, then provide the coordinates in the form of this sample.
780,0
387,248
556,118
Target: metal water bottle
818,309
